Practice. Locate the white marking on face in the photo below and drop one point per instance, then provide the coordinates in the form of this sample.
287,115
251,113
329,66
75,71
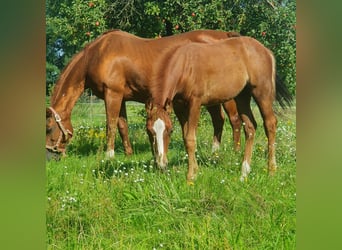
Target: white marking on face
245,170
159,128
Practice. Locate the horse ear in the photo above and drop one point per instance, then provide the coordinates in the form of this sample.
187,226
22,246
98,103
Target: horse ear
168,105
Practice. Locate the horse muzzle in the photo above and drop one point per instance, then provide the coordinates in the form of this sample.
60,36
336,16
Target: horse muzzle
53,155
161,161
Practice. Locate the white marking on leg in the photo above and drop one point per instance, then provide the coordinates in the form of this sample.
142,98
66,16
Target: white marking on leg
245,170
110,153
215,147
159,127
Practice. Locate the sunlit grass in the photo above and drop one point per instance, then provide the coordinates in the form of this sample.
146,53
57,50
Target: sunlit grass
125,203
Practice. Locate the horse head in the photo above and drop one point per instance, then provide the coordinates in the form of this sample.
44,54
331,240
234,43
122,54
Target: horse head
159,129
57,134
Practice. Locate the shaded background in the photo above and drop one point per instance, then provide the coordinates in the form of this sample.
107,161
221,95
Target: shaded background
22,167
22,154
319,119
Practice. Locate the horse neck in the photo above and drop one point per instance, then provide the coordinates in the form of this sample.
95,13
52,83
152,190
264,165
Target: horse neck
69,87
163,88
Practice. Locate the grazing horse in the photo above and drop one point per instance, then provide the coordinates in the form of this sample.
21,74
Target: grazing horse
117,67
208,74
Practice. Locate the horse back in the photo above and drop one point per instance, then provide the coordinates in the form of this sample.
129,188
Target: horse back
141,52
132,59
219,69
259,60
206,36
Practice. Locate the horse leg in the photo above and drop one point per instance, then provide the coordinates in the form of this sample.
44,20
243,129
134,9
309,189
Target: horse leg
112,104
235,121
182,113
270,126
190,139
217,118
249,123
123,129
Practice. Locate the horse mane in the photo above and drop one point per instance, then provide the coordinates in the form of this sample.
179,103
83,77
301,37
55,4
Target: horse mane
81,55
160,75
59,86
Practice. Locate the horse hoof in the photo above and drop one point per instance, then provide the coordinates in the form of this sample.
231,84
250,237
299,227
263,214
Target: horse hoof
237,148
215,147
243,178
272,170
190,183
129,152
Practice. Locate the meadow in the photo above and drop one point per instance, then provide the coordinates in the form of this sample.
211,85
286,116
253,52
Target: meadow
125,203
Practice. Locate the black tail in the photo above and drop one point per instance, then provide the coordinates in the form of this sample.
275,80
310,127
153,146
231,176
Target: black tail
283,95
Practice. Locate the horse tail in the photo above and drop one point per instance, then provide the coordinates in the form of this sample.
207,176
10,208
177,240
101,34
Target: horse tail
283,95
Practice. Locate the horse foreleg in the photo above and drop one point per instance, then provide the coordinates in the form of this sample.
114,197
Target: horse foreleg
123,129
217,118
235,121
249,135
112,105
190,140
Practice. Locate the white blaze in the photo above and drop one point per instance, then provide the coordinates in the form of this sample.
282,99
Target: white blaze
159,127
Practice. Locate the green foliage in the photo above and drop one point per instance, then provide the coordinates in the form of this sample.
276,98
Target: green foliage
275,26
125,203
52,72
70,24
271,22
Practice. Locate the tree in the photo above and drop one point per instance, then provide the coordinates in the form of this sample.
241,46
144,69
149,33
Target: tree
70,24
271,22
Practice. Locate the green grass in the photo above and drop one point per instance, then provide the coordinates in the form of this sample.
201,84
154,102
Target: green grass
125,203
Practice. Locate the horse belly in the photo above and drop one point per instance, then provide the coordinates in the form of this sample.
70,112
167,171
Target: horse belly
222,91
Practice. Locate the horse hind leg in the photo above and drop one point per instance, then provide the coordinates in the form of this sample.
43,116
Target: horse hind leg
182,113
235,121
249,124
123,130
217,118
270,125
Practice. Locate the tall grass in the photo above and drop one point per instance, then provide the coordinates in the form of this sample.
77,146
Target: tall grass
125,203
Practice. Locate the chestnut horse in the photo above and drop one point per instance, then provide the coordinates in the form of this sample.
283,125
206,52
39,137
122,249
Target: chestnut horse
117,67
208,74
